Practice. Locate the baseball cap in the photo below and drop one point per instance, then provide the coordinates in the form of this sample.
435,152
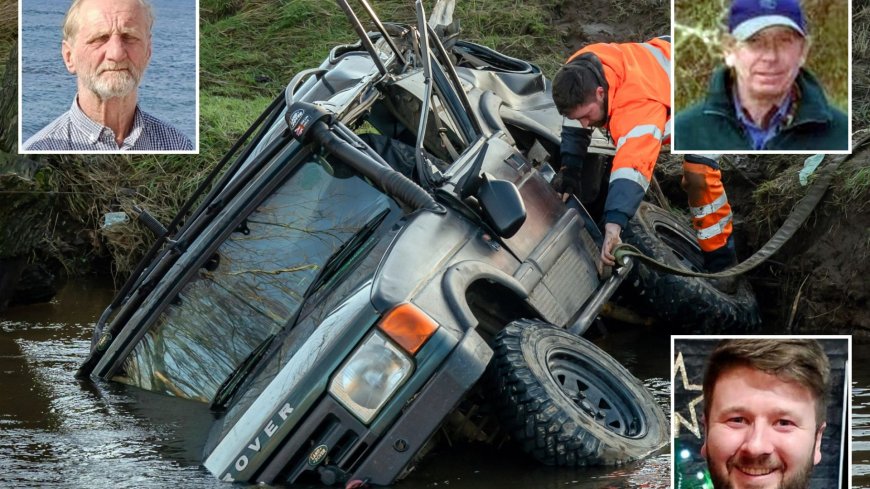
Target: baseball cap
750,16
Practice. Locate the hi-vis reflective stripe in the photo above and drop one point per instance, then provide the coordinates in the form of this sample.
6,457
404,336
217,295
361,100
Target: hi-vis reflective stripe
630,174
661,58
638,131
665,63
715,229
706,210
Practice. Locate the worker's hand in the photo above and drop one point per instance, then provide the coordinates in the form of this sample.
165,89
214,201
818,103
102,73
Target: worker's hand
567,181
611,239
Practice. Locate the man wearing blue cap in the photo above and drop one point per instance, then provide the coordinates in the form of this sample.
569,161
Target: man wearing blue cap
763,98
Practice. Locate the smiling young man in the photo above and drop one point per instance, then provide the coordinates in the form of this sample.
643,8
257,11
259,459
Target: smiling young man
107,45
765,404
763,98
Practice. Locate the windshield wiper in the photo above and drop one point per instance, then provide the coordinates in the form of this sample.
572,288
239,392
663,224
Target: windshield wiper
349,248
232,383
344,252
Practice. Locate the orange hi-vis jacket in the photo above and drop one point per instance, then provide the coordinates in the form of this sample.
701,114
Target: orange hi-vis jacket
639,117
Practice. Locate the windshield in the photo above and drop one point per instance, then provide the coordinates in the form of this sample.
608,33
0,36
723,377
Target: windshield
255,282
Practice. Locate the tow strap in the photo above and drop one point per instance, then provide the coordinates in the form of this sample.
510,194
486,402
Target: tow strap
793,222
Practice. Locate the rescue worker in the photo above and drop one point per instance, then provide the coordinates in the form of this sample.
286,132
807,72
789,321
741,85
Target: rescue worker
626,90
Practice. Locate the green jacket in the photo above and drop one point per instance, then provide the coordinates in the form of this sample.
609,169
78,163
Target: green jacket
712,125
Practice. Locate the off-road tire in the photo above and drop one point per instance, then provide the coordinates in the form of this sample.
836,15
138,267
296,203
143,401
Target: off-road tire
541,374
687,303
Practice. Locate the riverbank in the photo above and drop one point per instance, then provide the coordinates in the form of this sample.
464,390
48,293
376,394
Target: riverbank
249,50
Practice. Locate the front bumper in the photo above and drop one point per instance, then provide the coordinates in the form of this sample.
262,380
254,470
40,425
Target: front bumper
331,445
328,444
397,448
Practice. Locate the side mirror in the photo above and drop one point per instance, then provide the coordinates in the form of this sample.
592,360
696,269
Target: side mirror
502,205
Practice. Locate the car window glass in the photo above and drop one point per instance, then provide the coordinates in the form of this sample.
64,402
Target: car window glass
254,285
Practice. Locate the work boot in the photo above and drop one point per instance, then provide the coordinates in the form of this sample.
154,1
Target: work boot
720,260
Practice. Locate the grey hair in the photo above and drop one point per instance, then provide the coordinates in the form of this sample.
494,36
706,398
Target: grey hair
71,20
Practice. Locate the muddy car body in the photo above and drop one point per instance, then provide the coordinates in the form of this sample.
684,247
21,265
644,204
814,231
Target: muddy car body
353,273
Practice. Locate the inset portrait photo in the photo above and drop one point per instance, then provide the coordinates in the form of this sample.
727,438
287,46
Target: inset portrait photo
762,76
108,76
762,412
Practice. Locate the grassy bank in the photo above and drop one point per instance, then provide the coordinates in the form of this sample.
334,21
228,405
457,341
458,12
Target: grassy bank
8,28
249,50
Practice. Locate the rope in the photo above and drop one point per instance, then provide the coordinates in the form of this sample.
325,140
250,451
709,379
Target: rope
793,222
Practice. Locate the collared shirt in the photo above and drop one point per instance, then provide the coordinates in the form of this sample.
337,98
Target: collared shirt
760,135
75,131
812,125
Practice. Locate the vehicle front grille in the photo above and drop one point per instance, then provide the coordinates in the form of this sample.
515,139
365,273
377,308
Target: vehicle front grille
331,444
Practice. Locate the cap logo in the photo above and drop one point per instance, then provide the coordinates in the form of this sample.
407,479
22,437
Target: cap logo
768,4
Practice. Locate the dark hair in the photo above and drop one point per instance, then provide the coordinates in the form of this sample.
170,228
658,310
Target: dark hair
576,82
791,359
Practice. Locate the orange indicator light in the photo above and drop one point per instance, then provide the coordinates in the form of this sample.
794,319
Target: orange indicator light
408,326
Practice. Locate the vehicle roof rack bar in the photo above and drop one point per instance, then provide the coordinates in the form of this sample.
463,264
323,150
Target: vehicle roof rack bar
363,35
450,70
383,30
423,170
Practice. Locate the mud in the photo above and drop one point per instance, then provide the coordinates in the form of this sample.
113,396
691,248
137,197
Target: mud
819,281
583,22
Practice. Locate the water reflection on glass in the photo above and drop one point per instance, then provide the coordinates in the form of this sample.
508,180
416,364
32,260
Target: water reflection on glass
254,285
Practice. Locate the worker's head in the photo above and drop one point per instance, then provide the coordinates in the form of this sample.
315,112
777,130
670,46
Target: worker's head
766,45
580,91
765,403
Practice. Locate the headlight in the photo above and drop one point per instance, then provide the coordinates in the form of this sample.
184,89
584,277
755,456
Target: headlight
371,376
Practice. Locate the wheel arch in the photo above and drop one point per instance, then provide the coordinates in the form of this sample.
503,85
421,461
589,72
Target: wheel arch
484,297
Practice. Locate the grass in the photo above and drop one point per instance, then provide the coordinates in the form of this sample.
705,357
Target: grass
224,120
8,30
697,47
88,189
774,198
860,56
521,29
271,41
257,50
861,33
856,187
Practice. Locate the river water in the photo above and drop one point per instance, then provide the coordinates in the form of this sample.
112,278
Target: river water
56,431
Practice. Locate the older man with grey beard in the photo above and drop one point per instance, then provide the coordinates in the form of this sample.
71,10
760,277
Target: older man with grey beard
107,45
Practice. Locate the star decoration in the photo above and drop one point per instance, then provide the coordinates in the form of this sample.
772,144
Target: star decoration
691,423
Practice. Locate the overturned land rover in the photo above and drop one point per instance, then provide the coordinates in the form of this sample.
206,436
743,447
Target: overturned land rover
386,237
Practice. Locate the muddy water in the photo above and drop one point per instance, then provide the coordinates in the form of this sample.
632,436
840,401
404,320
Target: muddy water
56,431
